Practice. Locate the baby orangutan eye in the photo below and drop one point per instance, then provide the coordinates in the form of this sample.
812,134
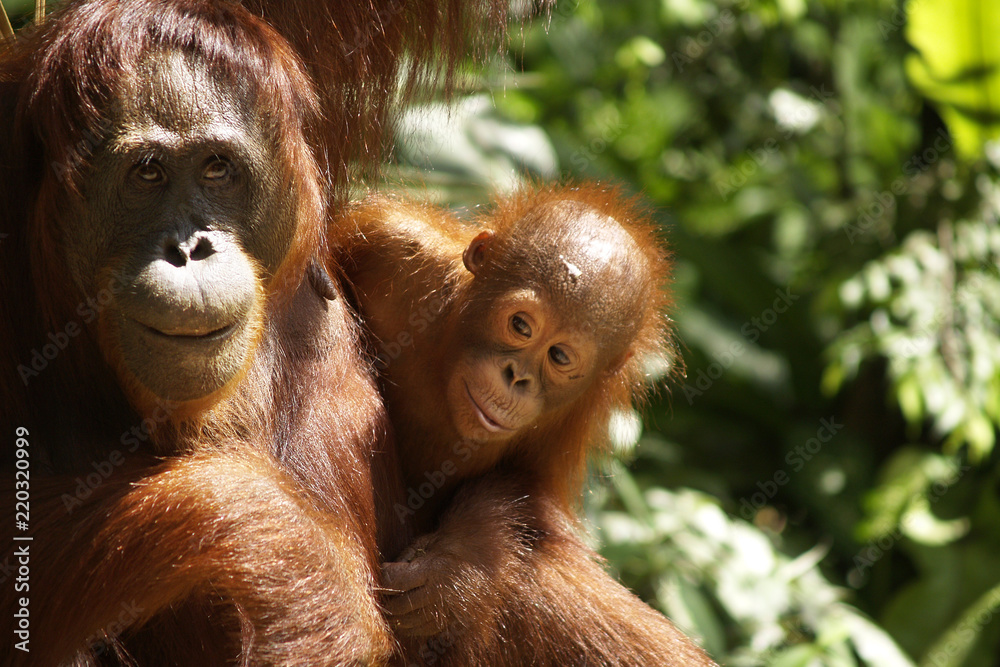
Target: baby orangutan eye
520,326
559,356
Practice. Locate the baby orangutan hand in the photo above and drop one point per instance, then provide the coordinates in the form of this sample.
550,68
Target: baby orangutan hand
418,588
452,579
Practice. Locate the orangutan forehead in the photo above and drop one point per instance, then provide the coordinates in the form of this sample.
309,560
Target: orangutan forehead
592,271
573,219
177,94
571,249
604,297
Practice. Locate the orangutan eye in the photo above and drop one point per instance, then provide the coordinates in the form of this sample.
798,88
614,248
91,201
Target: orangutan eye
149,172
520,326
559,356
218,169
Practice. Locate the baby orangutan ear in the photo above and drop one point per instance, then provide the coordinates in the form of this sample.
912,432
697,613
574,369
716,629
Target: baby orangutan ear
476,252
619,363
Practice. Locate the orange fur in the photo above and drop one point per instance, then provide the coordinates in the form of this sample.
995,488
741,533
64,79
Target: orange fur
499,573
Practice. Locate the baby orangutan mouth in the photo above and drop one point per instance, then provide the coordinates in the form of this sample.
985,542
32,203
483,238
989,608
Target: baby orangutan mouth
487,421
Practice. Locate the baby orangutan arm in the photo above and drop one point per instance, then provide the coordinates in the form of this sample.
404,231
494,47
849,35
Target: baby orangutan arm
449,580
506,581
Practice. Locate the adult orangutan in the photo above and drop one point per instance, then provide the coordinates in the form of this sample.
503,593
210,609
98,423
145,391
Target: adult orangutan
197,442
503,358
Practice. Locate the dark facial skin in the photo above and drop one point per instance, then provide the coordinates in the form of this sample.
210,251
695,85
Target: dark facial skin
180,228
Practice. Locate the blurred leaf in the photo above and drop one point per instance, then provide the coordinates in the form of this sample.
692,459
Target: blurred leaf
956,643
17,8
934,314
873,643
920,524
901,498
691,610
798,656
758,588
629,492
957,66
470,143
951,582
640,50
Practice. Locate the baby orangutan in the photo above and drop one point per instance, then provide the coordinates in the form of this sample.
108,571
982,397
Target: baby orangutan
501,360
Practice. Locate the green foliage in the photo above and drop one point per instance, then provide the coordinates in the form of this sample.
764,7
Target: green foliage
714,576
957,65
933,311
20,11
956,644
911,481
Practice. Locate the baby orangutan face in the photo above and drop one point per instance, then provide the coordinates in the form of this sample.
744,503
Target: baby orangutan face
555,304
522,360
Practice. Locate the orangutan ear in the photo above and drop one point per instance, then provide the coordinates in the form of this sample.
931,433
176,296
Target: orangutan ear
619,363
475,254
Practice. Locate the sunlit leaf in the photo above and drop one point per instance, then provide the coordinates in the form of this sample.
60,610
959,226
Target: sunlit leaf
806,655
957,66
920,524
873,643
